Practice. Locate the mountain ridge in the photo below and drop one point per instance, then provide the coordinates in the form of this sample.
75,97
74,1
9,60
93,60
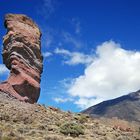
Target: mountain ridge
126,107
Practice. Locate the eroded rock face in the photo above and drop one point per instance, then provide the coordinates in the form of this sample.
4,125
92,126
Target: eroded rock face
22,56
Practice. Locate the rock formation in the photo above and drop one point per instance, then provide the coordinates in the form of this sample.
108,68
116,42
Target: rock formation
22,56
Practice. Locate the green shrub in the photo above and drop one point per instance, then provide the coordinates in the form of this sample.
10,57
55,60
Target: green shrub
72,129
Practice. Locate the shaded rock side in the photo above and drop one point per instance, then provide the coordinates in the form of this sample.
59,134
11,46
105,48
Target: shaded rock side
22,56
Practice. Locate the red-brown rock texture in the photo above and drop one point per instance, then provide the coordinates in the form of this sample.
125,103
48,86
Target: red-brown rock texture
22,56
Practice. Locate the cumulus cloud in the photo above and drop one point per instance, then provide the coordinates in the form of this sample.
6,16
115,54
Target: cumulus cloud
3,69
113,72
74,58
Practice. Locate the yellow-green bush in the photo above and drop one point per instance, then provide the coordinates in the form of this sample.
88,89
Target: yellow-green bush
72,129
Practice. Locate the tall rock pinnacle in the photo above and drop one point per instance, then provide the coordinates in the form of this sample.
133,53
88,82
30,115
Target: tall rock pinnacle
22,56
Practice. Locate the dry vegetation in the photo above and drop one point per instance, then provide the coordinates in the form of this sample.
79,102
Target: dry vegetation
23,121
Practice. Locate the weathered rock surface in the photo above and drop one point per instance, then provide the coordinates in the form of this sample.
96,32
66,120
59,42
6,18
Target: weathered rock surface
22,56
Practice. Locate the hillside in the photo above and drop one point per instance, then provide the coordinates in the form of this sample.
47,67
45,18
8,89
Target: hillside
126,107
24,121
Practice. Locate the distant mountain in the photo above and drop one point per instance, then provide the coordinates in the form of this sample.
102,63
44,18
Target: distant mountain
126,107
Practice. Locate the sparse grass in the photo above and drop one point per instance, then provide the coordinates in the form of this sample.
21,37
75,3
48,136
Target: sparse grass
82,118
5,117
5,138
22,121
139,130
53,138
11,138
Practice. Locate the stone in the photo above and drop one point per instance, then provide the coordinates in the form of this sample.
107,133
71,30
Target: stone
22,56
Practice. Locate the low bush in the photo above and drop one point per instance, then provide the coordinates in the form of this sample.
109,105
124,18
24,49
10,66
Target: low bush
72,129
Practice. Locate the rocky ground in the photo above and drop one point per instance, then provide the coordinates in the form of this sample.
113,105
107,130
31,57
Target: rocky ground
24,121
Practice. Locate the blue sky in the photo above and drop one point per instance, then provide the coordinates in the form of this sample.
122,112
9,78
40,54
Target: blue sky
90,47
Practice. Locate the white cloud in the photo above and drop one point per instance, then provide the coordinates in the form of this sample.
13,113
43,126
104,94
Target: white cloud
48,37
87,102
47,54
62,51
77,29
113,72
74,58
76,24
3,69
49,4
68,38
63,100
47,8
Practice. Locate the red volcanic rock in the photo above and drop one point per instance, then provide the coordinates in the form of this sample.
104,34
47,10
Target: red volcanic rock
22,56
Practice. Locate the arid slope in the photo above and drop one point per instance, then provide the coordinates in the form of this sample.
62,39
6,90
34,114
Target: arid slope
24,121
